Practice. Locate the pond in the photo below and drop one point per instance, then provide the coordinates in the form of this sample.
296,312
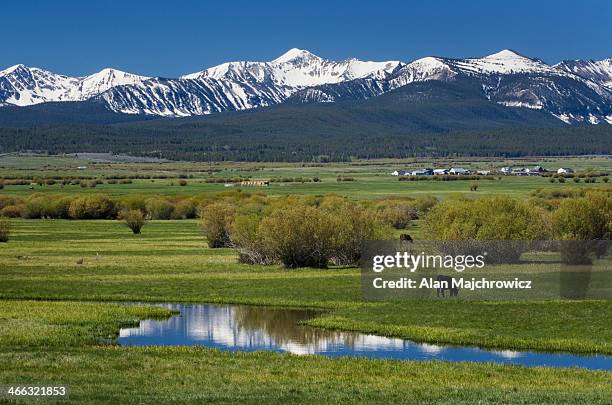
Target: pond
249,328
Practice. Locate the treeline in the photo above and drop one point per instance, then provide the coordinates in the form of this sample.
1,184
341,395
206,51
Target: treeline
97,206
202,142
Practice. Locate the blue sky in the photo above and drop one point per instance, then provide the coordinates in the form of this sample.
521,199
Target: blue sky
172,38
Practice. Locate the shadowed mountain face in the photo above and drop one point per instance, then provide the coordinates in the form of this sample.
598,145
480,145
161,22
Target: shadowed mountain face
572,92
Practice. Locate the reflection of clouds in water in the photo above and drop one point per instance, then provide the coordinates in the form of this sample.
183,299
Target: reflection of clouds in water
431,349
259,328
354,341
507,354
241,327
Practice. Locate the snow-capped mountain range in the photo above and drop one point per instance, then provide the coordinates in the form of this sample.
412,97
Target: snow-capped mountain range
573,91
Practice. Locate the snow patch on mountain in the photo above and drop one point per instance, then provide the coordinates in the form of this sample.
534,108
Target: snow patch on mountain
599,71
573,91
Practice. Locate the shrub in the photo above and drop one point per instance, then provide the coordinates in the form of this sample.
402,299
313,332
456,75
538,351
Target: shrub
5,201
13,211
586,218
133,219
216,220
245,238
133,202
489,219
5,230
159,208
36,207
91,207
397,214
298,236
185,209
424,203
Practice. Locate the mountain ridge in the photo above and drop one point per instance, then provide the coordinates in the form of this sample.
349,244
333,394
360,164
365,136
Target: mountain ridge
575,93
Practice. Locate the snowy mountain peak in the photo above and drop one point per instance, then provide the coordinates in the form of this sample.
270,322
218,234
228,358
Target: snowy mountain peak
294,54
505,54
574,91
104,80
12,69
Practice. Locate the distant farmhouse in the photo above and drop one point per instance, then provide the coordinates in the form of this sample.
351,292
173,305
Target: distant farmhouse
522,171
422,172
400,173
506,171
565,170
458,170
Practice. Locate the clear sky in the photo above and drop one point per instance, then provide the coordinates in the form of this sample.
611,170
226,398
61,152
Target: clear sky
163,38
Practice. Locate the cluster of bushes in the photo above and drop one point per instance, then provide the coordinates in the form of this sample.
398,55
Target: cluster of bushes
566,192
398,212
96,206
446,177
226,180
580,175
295,180
294,231
577,179
83,182
579,217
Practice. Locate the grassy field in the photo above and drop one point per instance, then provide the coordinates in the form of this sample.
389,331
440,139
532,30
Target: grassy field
67,341
57,319
372,179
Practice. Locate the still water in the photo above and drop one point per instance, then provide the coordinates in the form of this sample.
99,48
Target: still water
247,328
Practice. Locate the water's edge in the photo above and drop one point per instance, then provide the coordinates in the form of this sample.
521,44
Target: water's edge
251,328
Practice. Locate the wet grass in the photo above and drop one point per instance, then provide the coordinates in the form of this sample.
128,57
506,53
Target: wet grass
70,342
170,262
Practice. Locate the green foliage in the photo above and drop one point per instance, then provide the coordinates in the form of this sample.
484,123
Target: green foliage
159,208
92,207
216,220
133,219
396,213
185,209
498,218
488,219
305,232
586,218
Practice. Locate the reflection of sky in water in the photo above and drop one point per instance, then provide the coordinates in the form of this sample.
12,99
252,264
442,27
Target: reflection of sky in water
242,328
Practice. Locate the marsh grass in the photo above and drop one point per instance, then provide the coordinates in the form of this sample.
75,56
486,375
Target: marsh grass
70,342
172,263
52,324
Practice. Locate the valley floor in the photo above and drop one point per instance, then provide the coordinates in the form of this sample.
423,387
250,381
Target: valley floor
57,325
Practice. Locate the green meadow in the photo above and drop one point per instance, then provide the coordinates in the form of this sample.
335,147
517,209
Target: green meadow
372,179
62,282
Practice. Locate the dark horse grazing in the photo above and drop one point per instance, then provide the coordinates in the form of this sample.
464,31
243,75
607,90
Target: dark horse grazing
453,291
